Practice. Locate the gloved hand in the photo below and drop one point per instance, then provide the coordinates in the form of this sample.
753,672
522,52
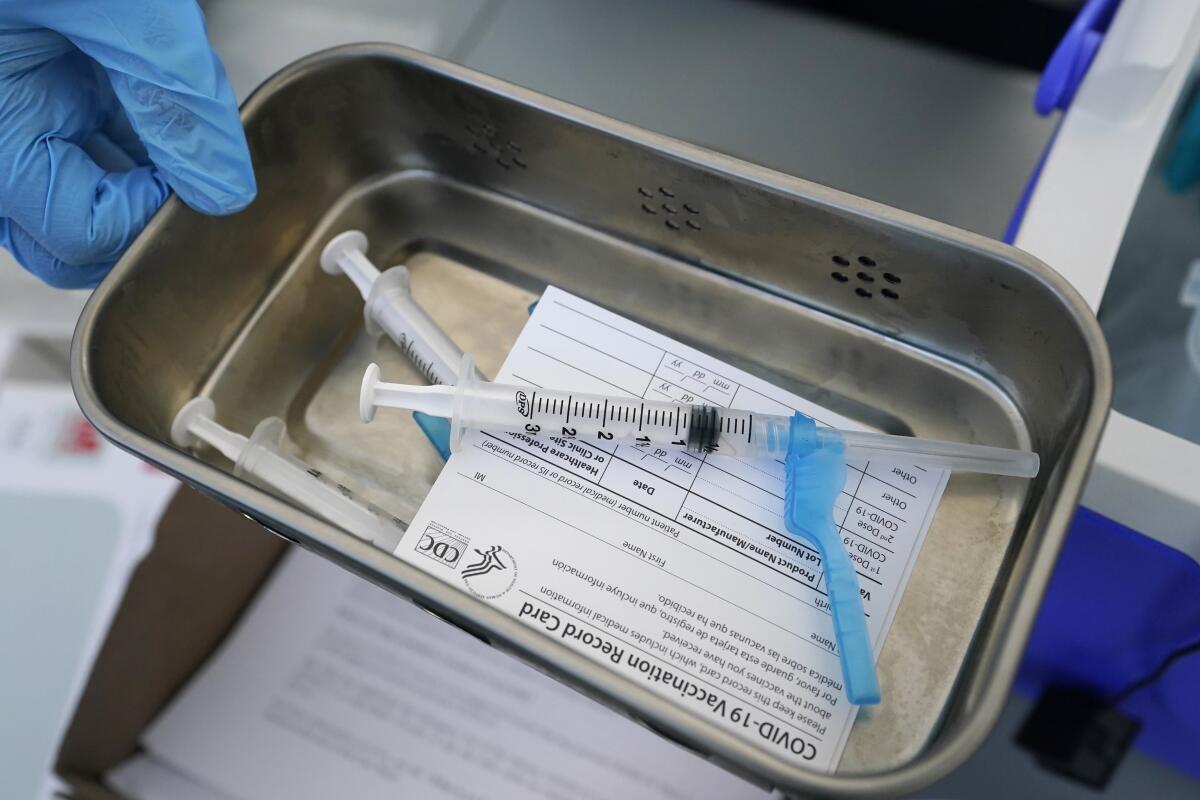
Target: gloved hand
106,105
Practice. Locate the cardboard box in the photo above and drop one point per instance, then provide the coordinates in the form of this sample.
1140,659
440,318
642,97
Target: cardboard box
207,563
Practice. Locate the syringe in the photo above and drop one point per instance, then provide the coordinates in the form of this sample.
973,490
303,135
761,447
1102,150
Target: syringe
261,458
483,405
389,307
814,460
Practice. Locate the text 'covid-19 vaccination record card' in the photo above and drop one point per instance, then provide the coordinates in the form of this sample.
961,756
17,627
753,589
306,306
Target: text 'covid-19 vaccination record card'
671,569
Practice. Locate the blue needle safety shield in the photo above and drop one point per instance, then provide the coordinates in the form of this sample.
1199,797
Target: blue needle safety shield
815,474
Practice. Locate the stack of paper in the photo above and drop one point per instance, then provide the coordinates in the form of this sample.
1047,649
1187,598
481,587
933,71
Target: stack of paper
331,687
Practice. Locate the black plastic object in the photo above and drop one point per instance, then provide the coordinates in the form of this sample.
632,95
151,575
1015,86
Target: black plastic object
1079,734
1019,33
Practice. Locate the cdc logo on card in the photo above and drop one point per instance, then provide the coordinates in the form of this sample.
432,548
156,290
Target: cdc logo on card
442,545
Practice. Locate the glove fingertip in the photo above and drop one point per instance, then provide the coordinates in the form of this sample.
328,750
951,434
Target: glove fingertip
196,141
217,197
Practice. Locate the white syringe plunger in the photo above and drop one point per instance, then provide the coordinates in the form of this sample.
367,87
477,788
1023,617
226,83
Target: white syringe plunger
347,252
261,458
195,423
436,401
389,308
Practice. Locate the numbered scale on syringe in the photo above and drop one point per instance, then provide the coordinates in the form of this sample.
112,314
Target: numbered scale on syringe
696,428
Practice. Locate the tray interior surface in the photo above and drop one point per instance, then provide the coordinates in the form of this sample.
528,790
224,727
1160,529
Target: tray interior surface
303,350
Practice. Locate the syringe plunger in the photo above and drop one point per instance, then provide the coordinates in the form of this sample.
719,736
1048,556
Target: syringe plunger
389,307
260,457
347,252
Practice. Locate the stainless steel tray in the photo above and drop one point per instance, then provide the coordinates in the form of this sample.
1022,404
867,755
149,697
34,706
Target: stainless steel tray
489,192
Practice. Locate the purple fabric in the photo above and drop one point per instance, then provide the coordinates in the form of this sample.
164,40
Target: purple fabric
1117,604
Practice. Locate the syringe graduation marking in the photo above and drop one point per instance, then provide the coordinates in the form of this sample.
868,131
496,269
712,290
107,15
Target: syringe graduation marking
729,424
424,365
698,427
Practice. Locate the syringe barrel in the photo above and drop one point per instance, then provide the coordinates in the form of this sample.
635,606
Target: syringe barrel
592,417
390,307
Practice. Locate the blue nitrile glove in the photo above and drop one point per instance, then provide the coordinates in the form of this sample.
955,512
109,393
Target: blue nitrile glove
105,106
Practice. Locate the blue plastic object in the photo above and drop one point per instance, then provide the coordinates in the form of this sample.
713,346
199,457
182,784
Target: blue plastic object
1069,64
1018,215
105,106
816,473
1061,79
436,430
1117,604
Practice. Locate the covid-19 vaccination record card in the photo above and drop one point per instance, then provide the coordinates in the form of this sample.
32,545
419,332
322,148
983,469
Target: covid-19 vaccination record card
671,569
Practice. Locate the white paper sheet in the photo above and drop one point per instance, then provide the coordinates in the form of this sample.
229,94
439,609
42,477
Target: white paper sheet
675,571
144,777
47,446
77,516
331,687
